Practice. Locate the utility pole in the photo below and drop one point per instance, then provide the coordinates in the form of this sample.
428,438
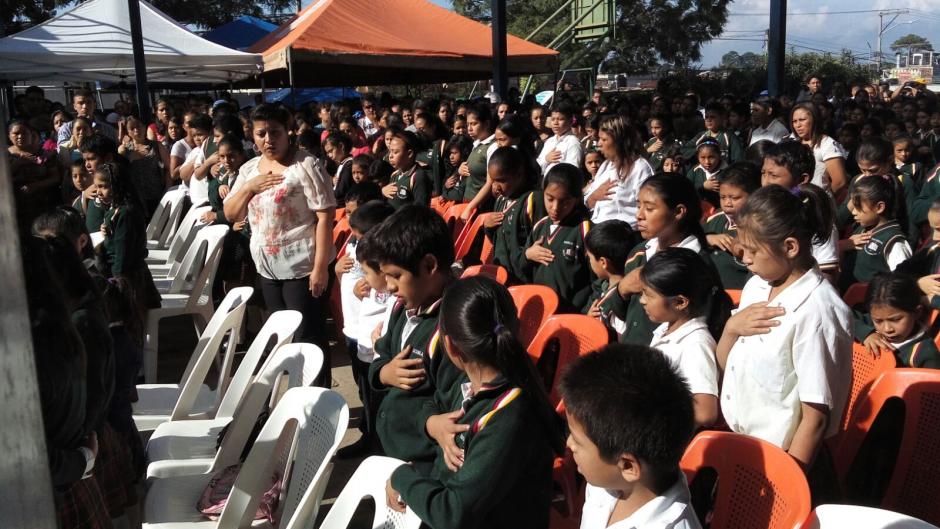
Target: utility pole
882,27
140,63
776,44
500,77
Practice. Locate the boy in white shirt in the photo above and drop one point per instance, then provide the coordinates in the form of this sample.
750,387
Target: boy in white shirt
364,308
200,127
630,416
564,146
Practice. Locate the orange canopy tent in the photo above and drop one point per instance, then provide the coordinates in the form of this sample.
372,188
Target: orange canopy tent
362,42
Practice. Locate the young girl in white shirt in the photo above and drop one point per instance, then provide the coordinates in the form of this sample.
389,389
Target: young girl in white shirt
786,352
682,294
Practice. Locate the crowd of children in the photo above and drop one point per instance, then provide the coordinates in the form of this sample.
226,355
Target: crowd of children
649,237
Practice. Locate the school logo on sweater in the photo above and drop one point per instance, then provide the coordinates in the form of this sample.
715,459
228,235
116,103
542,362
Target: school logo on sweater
874,247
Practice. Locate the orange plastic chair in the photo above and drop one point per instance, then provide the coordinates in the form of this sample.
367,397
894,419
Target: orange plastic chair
468,236
535,303
340,214
452,218
341,233
759,485
735,296
855,294
500,274
440,205
865,370
915,481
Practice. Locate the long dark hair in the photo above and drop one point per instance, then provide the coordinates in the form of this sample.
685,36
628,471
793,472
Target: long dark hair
123,191
881,188
675,190
479,317
895,290
682,272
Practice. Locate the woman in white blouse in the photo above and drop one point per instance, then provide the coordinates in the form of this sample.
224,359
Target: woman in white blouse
613,193
830,156
287,197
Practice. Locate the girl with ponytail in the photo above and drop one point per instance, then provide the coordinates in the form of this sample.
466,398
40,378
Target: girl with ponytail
683,295
786,352
495,466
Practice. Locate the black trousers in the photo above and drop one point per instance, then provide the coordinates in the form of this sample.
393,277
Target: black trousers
294,294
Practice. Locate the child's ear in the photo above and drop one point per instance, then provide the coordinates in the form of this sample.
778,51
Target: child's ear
605,263
805,178
880,207
791,247
680,212
630,469
682,303
429,264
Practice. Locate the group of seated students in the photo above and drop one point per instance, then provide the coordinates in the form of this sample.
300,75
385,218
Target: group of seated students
614,226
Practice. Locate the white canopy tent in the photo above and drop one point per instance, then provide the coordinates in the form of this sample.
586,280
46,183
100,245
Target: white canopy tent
92,42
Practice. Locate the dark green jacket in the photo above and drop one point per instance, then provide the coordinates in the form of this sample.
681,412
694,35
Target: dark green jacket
728,143
215,200
924,262
903,184
929,191
733,273
403,414
656,159
916,172
93,213
698,177
860,265
920,353
509,238
432,161
414,187
457,192
476,162
569,275
506,477
612,306
126,244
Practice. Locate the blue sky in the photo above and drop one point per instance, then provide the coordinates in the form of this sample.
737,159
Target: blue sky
825,32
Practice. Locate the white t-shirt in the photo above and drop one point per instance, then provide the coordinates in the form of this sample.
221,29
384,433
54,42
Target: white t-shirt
672,510
691,348
774,131
826,253
807,358
827,149
180,149
622,205
350,303
197,189
569,146
376,308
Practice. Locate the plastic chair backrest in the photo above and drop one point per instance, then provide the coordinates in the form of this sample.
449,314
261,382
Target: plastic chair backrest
735,296
916,477
186,232
203,357
855,294
857,517
865,370
759,485
440,205
340,214
500,274
173,222
452,218
195,267
235,301
298,439
576,335
468,236
369,482
160,216
534,303
341,232
280,326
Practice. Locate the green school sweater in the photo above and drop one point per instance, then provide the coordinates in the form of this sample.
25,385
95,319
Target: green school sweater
569,275
414,187
457,192
916,172
476,162
612,307
509,238
215,200
918,353
402,415
126,243
698,176
506,477
93,213
733,273
656,159
728,144
432,161
929,191
860,265
905,185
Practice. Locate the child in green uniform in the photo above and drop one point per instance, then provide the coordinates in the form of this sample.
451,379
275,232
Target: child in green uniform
630,418
899,320
905,163
518,207
608,244
497,431
737,182
878,244
668,215
480,129
706,175
410,182
414,250
729,145
458,149
555,253
925,264
96,150
661,142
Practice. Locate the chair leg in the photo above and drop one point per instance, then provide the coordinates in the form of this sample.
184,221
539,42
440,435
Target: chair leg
151,347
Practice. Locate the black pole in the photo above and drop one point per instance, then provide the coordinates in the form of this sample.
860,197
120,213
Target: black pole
776,46
500,77
140,65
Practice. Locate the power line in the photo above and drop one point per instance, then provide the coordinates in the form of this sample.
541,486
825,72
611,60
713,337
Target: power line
805,14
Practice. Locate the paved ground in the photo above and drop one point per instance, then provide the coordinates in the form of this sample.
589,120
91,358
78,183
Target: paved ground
177,339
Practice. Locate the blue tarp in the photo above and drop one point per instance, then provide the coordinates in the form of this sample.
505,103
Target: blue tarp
306,95
240,33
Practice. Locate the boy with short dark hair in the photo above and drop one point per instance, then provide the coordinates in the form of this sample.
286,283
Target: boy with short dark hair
630,415
563,146
608,244
715,122
415,251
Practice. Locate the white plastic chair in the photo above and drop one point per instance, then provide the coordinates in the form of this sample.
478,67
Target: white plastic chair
184,297
192,443
300,437
839,516
167,216
369,481
158,260
180,275
158,403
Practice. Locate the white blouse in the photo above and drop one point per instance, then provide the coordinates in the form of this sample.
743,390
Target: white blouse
622,204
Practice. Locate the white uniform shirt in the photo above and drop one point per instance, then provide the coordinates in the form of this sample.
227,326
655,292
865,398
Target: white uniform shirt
691,348
376,308
826,253
622,204
672,510
568,145
899,252
350,303
197,189
774,131
807,358
827,149
691,242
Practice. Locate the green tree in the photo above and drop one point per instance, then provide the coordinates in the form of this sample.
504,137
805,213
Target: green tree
911,43
648,32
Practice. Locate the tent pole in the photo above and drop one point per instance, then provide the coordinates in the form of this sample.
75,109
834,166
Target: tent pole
140,66
500,78
290,78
